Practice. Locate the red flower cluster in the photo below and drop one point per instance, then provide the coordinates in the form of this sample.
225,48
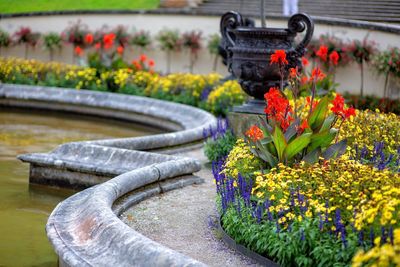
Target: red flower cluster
89,38
108,40
278,108
322,53
304,61
254,133
293,73
317,74
339,110
78,51
315,102
304,125
334,58
279,57
120,50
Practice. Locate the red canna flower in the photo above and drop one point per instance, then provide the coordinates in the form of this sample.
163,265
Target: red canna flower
254,133
278,108
151,63
143,57
339,110
338,105
334,58
89,38
317,74
349,112
315,102
293,73
137,65
120,50
304,125
304,80
322,53
78,51
108,40
279,57
97,46
305,61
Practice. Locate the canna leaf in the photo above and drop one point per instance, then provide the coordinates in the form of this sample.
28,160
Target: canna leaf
327,123
317,116
265,155
279,142
297,145
292,130
322,139
313,156
335,150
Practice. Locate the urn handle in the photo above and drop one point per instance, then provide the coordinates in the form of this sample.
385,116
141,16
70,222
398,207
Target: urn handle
230,21
298,23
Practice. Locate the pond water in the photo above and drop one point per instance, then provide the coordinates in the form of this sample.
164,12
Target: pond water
24,208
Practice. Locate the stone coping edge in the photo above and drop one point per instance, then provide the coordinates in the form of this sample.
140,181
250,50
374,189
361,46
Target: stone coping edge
84,229
193,12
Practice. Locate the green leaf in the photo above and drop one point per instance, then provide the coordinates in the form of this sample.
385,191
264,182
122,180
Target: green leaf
335,150
265,155
317,116
297,145
292,130
327,123
313,156
279,141
322,139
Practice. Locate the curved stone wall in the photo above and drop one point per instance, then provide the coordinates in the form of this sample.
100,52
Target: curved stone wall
84,229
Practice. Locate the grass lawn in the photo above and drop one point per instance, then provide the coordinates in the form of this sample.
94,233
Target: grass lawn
19,6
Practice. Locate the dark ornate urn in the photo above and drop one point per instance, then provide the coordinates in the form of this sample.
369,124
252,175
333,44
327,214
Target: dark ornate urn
249,50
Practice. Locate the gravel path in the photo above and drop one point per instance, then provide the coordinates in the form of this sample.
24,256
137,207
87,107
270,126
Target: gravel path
184,220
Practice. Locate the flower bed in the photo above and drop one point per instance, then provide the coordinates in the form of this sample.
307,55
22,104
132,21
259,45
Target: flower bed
205,91
316,183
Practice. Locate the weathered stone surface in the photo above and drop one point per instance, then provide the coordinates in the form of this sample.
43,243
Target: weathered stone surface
84,229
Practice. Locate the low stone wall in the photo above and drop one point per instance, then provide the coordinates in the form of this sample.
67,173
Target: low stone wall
84,229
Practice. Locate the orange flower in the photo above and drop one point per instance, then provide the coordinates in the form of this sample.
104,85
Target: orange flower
305,61
322,53
120,50
89,38
334,58
255,133
317,74
279,57
78,51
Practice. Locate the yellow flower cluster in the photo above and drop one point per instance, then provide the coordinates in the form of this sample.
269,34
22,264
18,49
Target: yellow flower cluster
241,160
178,83
369,127
182,87
13,68
345,184
380,255
225,96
